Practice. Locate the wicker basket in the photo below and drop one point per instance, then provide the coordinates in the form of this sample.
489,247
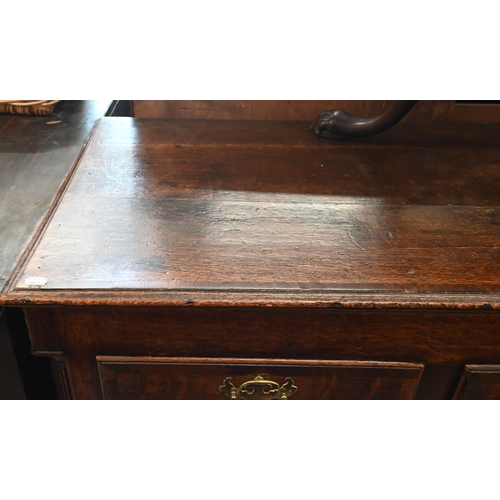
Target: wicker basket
27,107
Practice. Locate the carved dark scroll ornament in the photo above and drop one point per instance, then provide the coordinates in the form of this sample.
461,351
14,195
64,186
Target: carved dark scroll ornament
338,124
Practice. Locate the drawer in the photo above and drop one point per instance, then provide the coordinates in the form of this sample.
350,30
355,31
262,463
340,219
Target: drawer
479,382
201,378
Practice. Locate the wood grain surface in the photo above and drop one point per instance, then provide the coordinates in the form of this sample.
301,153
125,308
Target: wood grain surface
479,382
261,206
192,378
254,246
287,333
248,110
443,340
429,112
36,155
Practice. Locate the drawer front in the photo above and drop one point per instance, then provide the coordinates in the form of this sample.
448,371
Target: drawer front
200,378
479,382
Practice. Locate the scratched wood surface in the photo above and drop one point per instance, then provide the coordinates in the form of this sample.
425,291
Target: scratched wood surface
261,206
36,155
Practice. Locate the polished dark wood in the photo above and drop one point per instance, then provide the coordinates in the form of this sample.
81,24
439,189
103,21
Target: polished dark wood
248,110
200,378
424,112
473,112
479,382
440,339
339,124
36,155
262,215
256,240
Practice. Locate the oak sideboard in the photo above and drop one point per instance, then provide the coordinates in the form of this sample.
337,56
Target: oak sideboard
210,259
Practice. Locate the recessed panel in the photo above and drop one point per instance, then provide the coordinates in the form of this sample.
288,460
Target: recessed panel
196,378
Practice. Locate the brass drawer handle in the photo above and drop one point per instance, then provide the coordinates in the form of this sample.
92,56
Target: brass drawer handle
258,388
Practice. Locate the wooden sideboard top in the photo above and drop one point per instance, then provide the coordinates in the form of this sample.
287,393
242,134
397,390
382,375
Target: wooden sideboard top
199,212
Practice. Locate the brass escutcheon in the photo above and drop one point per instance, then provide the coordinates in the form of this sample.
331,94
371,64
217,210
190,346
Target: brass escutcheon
258,388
